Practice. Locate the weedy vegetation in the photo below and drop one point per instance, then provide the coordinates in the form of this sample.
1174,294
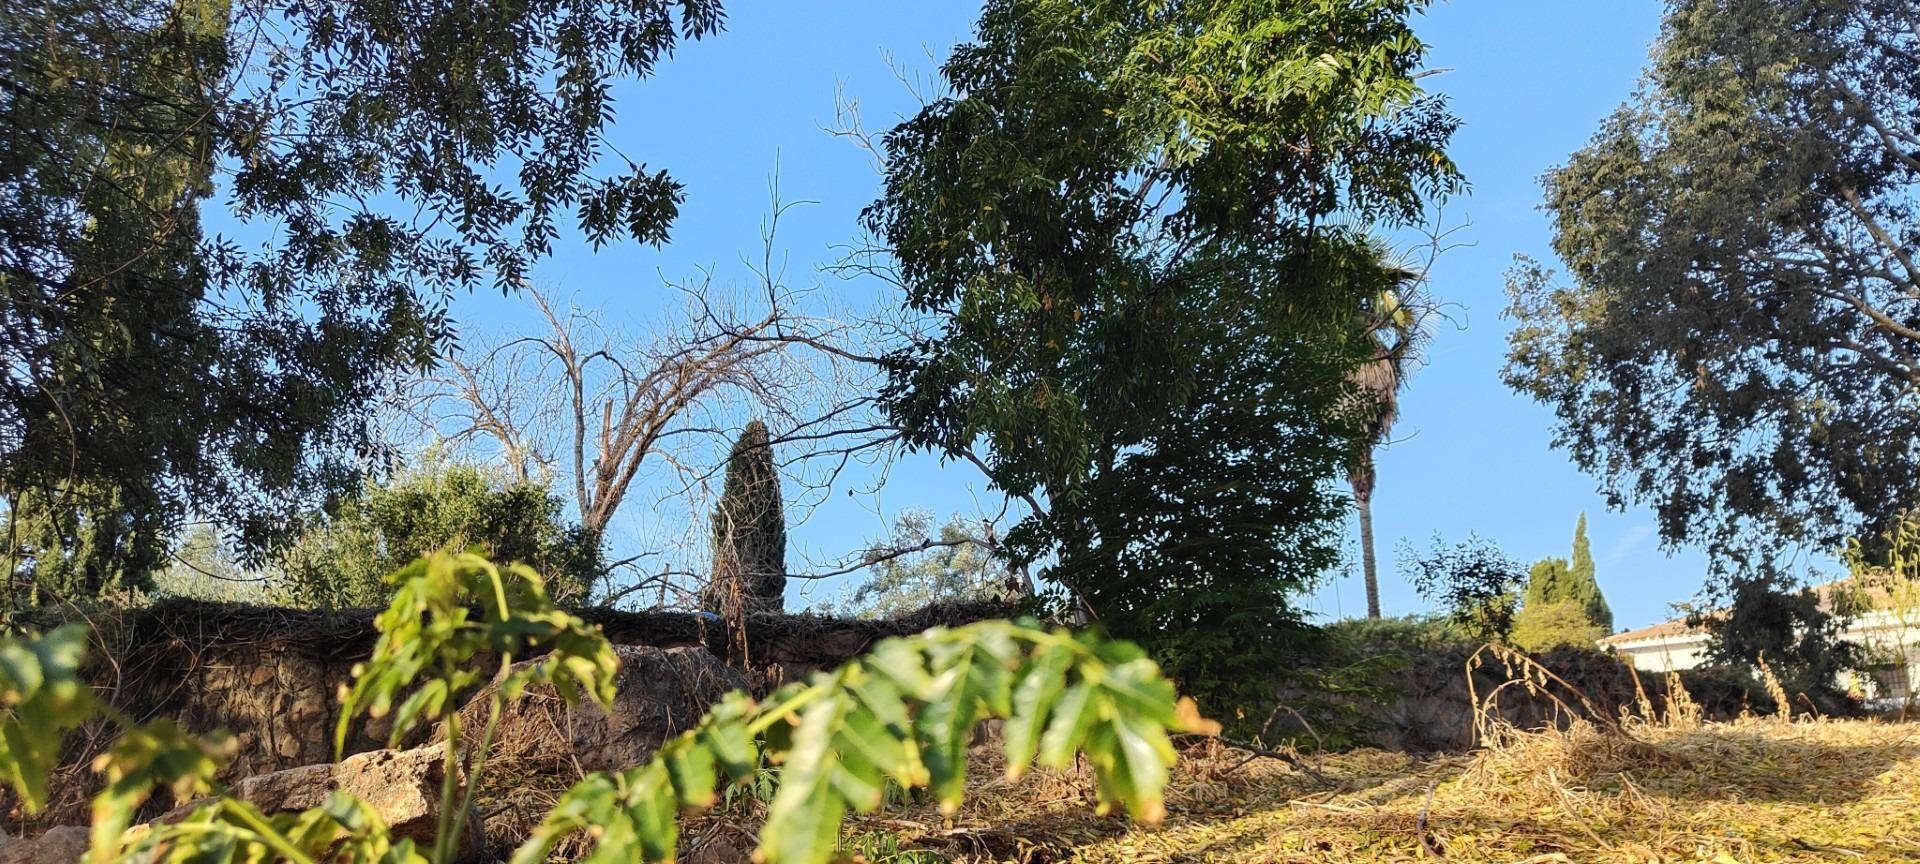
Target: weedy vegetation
904,713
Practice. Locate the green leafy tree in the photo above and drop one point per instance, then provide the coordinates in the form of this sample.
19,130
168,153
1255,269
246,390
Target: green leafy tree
1543,627
371,157
1196,543
1118,226
1735,344
912,569
1794,630
749,532
77,542
1474,582
902,714
1555,586
437,505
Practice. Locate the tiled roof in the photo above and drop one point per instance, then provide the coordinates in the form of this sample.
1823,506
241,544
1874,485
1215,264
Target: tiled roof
1657,631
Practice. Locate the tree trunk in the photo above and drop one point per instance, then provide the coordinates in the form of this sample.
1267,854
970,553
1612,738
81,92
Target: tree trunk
1363,502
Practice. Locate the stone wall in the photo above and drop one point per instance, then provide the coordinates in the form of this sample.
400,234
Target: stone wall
1424,704
270,677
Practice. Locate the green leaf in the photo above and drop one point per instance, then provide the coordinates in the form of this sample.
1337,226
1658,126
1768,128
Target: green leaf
901,665
856,778
427,701
44,697
693,772
839,737
1041,683
1072,718
726,736
156,754
1147,756
427,630
891,749
794,833
650,805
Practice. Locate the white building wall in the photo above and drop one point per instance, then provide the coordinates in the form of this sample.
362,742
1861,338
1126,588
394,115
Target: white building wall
1897,642
1665,654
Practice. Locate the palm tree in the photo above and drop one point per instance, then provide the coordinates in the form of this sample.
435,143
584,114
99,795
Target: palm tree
1393,325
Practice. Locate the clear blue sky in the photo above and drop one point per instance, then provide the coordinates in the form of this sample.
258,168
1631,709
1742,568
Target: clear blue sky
1531,81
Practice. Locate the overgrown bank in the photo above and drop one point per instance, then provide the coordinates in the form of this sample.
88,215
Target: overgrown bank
269,677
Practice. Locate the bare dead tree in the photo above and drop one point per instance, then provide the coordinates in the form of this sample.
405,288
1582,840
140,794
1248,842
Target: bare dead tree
604,417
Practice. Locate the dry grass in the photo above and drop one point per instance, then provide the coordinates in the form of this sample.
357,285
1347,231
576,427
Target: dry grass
1757,790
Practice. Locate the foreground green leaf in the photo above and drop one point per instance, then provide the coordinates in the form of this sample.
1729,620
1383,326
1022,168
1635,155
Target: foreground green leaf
903,713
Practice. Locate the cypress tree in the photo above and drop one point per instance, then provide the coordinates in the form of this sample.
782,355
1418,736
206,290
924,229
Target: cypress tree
1547,582
1582,587
1556,582
749,532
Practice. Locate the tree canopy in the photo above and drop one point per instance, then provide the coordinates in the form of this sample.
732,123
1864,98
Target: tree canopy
913,569
1736,344
1547,626
1554,581
1473,581
1127,224
343,555
1586,582
1563,604
370,157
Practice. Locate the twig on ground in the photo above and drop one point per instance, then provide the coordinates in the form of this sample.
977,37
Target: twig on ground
1258,752
1426,839
1816,847
1322,805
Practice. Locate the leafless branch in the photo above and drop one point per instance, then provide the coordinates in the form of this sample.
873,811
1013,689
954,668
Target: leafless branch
584,407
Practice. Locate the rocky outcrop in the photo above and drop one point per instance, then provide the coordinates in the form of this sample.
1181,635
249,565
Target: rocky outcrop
660,692
63,845
402,786
279,707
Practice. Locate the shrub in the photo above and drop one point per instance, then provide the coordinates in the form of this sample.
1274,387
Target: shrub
1412,634
437,505
1545,626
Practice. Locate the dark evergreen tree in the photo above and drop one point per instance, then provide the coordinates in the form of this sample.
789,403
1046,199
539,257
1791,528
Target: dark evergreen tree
371,158
749,532
1548,581
1584,586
